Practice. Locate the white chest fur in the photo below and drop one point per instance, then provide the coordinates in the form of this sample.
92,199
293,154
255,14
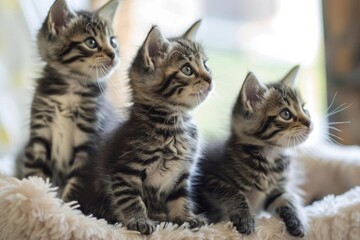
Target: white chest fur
165,172
65,135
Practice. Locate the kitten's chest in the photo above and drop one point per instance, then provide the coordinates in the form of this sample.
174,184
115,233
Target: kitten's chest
177,155
68,124
271,173
69,112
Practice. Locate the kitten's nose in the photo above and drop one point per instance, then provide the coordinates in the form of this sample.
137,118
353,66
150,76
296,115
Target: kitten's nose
208,79
111,55
306,122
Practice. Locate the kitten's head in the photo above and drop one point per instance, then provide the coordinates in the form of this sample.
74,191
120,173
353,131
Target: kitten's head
80,44
171,72
272,114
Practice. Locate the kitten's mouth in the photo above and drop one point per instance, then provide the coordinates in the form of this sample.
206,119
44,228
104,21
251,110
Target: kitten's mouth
202,92
110,63
106,64
300,137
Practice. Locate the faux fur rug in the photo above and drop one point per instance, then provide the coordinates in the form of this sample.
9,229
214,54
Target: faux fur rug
30,210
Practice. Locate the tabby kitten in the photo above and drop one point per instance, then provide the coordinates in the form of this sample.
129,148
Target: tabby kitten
146,167
250,171
69,110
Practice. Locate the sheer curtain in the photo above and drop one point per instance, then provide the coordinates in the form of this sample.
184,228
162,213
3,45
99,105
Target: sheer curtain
238,36
16,72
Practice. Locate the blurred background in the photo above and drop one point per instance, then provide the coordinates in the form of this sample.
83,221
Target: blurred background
267,37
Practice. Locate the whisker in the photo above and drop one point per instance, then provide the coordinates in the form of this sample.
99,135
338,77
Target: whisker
99,85
335,136
335,123
332,140
335,128
332,102
109,83
340,108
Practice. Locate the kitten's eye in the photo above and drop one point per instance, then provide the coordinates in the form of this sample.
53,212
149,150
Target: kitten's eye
113,42
91,42
187,70
206,66
285,114
304,107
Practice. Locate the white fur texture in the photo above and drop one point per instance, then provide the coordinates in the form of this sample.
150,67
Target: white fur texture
30,210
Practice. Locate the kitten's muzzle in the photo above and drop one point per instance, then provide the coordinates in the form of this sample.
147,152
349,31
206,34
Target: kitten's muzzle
308,124
111,55
208,79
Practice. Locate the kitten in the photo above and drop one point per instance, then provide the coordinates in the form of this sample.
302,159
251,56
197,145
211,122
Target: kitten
146,166
250,171
69,110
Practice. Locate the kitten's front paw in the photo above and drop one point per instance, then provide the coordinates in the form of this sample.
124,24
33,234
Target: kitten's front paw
144,226
193,221
245,224
196,221
292,222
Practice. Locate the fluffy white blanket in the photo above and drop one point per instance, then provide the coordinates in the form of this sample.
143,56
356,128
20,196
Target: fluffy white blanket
30,210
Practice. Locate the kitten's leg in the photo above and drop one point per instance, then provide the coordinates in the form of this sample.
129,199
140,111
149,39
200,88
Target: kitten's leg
235,205
36,158
158,217
178,205
288,207
75,179
72,187
128,206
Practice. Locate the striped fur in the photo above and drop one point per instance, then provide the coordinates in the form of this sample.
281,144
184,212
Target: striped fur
69,110
249,172
146,166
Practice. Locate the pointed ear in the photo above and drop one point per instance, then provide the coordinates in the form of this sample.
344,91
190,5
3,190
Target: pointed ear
289,79
108,11
59,14
154,47
190,34
252,92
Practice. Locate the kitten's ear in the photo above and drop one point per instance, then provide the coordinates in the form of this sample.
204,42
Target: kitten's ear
154,47
59,14
252,92
290,77
190,34
108,11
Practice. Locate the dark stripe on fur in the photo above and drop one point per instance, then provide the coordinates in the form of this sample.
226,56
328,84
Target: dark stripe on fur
124,200
124,169
271,199
68,49
39,164
267,124
179,193
42,141
166,83
72,59
85,129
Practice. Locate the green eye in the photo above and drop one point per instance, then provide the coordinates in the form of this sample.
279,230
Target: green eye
91,42
187,70
285,114
113,42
